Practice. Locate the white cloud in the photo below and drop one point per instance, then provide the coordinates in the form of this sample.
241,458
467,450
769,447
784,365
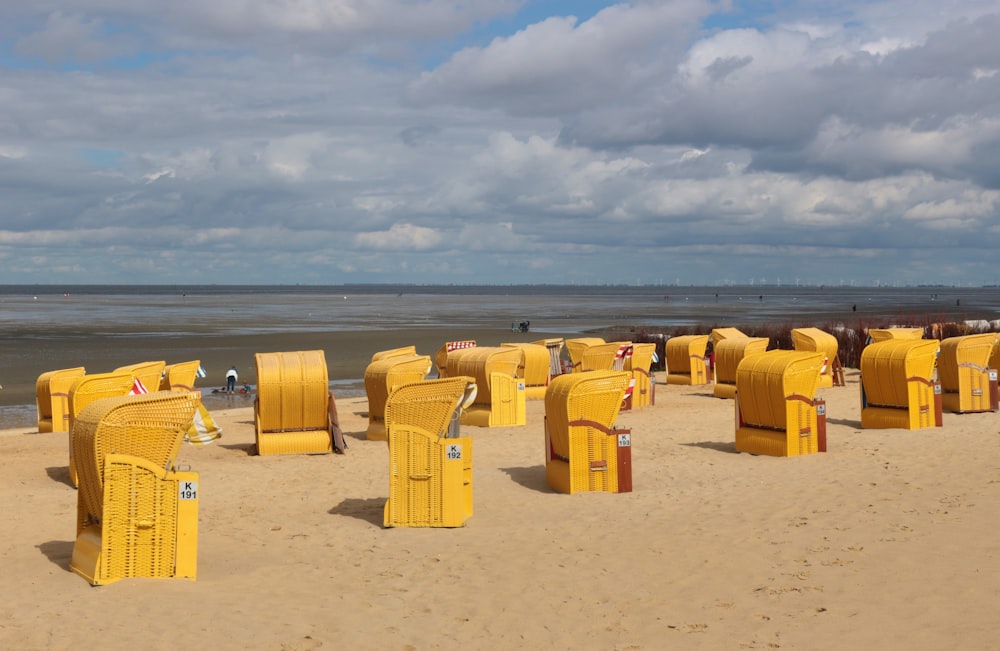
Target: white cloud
326,141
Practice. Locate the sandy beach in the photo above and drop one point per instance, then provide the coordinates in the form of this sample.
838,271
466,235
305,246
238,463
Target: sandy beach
886,541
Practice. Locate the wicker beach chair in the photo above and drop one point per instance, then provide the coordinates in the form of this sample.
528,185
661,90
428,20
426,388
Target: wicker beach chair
52,398
876,335
609,356
430,471
721,334
537,370
91,388
968,383
728,355
393,352
443,353
180,376
381,377
149,373
643,387
292,407
137,516
687,363
897,389
816,340
583,450
575,348
777,413
500,398
555,347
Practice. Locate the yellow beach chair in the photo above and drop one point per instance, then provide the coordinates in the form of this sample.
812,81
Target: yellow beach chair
575,349
687,363
292,407
608,356
897,389
149,373
500,398
721,334
430,471
728,355
52,398
137,516
777,413
441,356
883,334
816,340
404,350
583,450
537,369
968,383
91,388
381,377
554,346
643,387
180,376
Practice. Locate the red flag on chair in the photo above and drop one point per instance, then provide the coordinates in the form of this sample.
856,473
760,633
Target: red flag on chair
138,388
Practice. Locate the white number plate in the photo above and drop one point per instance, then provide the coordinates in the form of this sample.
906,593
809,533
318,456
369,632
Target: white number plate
453,452
624,440
187,490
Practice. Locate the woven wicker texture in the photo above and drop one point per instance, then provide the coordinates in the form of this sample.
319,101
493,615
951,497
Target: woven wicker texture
554,346
775,398
500,399
884,334
149,373
481,362
129,519
381,377
638,364
291,412
582,447
537,369
686,360
963,368
602,357
180,376
816,340
430,474
90,388
576,347
443,356
897,390
393,352
52,398
728,355
721,334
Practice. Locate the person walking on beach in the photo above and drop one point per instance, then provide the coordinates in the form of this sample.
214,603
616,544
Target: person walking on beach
231,377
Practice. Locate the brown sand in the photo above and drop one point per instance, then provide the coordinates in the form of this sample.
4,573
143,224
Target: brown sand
887,541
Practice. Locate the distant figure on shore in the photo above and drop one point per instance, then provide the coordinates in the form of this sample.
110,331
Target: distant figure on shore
854,308
231,377
958,302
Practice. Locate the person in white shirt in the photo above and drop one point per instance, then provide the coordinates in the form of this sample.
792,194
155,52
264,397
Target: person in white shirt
231,377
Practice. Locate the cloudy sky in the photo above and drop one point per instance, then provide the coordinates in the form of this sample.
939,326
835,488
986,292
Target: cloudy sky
499,141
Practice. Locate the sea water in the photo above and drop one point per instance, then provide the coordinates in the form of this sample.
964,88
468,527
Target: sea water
41,327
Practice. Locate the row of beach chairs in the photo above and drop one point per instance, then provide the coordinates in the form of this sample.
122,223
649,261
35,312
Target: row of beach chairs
137,513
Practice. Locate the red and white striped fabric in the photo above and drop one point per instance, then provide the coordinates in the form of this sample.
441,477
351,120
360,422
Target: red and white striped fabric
138,388
455,345
621,357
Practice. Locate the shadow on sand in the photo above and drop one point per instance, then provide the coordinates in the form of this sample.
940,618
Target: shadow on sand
532,477
59,474
369,509
58,551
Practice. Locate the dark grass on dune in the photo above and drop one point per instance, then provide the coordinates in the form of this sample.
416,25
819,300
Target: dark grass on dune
851,336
